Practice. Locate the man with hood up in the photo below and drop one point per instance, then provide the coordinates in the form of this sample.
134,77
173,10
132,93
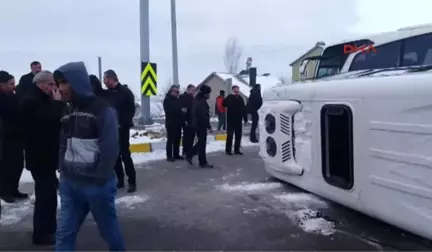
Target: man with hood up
254,103
201,124
88,153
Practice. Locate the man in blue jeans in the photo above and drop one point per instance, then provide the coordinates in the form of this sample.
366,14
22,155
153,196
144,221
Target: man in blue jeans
88,153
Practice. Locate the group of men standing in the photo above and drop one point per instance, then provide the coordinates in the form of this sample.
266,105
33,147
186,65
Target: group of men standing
66,121
190,113
238,112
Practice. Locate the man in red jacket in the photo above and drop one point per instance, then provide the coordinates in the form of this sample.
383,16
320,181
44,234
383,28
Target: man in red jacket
220,111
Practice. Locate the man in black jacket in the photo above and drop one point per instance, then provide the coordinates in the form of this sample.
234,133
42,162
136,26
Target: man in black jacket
123,101
12,164
201,124
174,121
186,100
40,110
26,81
236,111
254,103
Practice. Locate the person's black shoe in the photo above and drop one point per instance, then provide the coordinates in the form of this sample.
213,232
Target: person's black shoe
179,158
19,195
206,166
229,153
170,160
238,153
45,240
8,198
120,185
132,189
254,140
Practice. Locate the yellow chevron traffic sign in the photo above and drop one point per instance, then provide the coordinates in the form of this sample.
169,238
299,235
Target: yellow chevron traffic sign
148,78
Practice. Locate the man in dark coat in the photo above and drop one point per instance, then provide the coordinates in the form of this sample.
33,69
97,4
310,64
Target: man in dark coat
96,85
12,164
201,124
40,110
254,103
123,101
236,112
186,100
174,121
26,80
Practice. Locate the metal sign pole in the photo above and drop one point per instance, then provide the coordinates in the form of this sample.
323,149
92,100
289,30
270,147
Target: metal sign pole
174,42
145,57
100,68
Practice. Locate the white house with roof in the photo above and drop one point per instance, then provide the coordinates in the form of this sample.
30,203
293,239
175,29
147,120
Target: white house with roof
217,82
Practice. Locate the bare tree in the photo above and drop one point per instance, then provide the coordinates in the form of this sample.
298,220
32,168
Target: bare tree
164,89
283,79
232,55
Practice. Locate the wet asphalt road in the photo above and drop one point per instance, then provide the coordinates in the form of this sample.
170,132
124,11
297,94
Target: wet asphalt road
185,210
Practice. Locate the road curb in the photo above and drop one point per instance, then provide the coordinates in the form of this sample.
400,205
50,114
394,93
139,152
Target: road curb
150,147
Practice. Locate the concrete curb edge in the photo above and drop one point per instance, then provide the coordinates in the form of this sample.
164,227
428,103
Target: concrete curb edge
150,147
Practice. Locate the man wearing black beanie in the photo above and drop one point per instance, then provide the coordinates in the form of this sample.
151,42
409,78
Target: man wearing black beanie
201,124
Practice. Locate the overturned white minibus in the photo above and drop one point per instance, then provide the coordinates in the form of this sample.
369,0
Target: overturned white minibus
364,142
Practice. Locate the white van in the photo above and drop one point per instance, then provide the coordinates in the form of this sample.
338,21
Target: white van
363,142
409,46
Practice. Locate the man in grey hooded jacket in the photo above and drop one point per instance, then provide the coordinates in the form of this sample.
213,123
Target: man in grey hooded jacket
88,153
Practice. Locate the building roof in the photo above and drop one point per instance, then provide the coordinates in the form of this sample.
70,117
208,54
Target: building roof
242,81
317,45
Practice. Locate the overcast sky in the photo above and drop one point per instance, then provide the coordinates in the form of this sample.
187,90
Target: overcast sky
272,32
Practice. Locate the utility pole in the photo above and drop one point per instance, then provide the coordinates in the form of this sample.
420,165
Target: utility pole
174,42
100,68
145,57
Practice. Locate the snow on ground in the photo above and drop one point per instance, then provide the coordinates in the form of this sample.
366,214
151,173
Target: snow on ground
151,134
249,187
131,201
301,208
14,213
18,211
160,154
